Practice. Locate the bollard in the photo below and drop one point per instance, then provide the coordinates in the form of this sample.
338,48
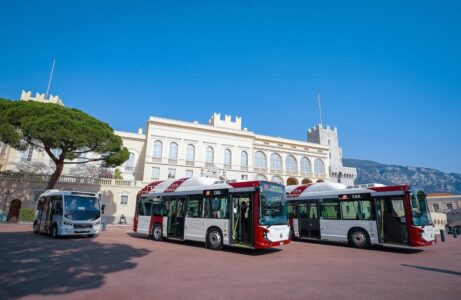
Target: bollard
442,235
103,226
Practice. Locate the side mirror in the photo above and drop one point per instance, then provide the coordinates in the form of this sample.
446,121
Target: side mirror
102,208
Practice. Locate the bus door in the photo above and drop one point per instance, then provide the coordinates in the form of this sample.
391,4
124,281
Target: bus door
313,223
176,213
241,219
57,211
44,214
303,219
391,220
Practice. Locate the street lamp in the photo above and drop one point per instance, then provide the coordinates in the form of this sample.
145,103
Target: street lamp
4,217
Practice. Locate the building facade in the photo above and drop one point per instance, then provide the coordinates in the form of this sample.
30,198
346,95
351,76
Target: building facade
221,148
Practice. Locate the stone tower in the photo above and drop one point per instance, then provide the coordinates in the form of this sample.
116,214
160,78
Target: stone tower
327,136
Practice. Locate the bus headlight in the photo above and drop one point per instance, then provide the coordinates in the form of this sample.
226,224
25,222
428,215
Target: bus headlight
265,232
67,223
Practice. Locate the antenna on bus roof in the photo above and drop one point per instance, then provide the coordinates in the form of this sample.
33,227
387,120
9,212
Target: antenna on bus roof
49,81
320,107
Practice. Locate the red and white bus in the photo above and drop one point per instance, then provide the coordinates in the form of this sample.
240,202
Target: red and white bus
250,214
362,216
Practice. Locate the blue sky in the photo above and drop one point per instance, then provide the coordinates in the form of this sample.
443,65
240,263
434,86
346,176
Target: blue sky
389,73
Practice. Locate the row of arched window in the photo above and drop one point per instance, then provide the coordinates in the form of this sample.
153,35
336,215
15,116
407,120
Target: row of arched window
291,163
260,159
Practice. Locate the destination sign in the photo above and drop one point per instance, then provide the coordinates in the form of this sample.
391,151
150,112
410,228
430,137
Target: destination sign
215,193
353,196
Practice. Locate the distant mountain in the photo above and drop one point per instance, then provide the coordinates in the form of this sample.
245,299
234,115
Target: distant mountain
431,180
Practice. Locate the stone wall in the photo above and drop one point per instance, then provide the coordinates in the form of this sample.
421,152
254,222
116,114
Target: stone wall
27,188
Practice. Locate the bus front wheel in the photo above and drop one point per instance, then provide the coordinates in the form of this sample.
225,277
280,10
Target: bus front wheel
359,238
157,232
214,239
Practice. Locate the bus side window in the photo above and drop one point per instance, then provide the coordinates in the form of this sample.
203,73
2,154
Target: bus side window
194,207
40,204
290,208
330,210
58,205
141,207
303,210
158,210
148,208
206,208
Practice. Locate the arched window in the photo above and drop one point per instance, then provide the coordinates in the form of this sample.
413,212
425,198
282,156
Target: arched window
260,160
158,149
26,155
244,159
306,165
277,179
261,177
227,158
190,152
129,164
319,167
209,155
290,163
276,162
173,152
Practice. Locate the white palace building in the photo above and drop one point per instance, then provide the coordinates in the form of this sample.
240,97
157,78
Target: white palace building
221,148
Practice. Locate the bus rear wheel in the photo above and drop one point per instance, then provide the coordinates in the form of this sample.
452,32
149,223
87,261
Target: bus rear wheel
54,232
157,232
214,239
359,238
35,227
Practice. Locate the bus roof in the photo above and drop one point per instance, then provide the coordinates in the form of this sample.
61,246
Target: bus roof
195,183
187,184
326,189
61,192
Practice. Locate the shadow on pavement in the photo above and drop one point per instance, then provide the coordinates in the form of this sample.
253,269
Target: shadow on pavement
32,264
236,250
433,269
396,249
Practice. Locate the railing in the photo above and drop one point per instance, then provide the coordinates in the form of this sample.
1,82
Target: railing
70,179
307,174
291,173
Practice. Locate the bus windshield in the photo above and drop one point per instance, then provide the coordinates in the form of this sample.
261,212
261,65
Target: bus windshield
273,208
419,213
81,208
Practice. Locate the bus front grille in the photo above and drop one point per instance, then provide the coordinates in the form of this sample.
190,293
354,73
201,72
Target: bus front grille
81,226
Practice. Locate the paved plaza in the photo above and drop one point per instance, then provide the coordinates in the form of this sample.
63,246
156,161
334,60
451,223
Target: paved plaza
122,265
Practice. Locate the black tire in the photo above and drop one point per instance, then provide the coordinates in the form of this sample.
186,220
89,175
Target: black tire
214,239
92,235
35,228
359,238
54,232
157,232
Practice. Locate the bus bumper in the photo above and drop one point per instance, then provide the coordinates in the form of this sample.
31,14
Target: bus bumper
70,230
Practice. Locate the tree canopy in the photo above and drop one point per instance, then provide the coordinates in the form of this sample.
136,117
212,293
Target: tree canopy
50,126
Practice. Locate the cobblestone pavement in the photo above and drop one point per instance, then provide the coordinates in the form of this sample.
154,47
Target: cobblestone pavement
122,265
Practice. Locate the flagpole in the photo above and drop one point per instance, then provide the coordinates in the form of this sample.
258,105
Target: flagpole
49,81
320,107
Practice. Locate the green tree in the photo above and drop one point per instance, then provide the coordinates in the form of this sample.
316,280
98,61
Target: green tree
51,126
118,174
